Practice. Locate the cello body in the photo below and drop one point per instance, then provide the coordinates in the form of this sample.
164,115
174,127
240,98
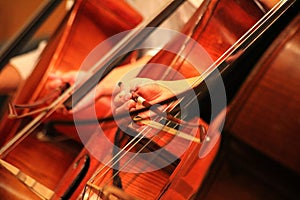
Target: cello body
67,49
271,92
182,179
46,160
260,140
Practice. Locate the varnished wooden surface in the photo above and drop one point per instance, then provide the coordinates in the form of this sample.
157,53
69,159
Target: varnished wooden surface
47,161
221,24
265,114
44,161
186,179
12,188
242,172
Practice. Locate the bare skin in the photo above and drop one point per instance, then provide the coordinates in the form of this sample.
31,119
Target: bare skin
10,79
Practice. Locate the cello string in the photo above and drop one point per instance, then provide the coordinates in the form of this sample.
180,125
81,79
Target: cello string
70,92
116,55
129,145
188,38
236,46
246,40
222,58
183,47
128,161
120,157
246,37
233,48
132,159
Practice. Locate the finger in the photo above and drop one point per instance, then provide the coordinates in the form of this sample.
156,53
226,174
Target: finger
53,84
126,91
69,77
132,85
53,76
125,107
121,113
121,98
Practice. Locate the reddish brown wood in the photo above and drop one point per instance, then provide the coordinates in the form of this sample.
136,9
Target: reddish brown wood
47,161
183,181
13,188
265,113
221,25
67,52
74,40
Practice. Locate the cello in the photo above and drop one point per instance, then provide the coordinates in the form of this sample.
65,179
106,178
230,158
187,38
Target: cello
262,126
69,39
58,53
276,71
167,182
44,162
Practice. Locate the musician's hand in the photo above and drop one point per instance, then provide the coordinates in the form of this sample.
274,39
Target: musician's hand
104,88
152,91
57,80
